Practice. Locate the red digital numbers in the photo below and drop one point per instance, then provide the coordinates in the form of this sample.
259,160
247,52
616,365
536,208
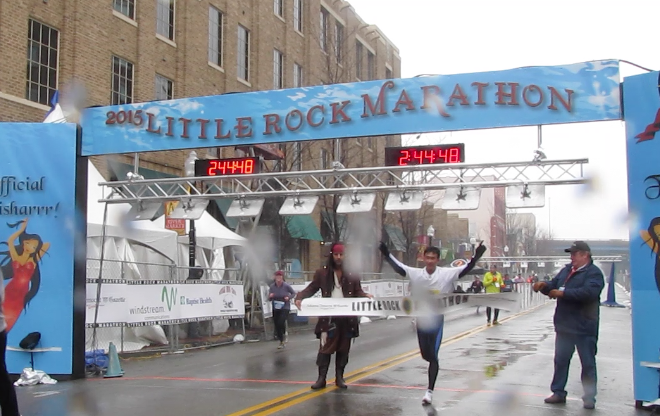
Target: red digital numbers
230,167
429,156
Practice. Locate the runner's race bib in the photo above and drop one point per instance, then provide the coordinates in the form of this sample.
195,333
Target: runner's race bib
278,304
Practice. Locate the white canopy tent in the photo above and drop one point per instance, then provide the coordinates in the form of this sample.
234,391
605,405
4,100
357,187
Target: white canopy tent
145,233
210,236
133,250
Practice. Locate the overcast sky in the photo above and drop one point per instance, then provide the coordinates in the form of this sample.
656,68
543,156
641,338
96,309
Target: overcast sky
448,37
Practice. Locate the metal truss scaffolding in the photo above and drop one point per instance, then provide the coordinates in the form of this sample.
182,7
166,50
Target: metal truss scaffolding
546,259
347,181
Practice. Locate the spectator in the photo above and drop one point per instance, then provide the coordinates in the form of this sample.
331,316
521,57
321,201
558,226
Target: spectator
577,288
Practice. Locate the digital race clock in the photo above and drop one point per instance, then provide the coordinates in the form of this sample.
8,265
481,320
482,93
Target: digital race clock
223,167
425,155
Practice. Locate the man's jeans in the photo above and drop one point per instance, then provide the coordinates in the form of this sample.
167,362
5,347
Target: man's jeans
565,345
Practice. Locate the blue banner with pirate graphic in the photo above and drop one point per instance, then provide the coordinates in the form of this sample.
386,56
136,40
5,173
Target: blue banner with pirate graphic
642,117
37,233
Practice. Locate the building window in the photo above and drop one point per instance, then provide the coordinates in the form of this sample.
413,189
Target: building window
298,15
371,66
297,156
388,73
323,37
243,53
278,69
165,18
41,62
339,41
164,88
215,35
358,59
278,7
125,7
122,81
297,76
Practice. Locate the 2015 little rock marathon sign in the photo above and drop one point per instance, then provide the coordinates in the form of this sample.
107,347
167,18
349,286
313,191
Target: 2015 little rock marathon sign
518,97
581,92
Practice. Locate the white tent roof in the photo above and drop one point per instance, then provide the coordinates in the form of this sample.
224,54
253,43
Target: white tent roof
144,232
209,233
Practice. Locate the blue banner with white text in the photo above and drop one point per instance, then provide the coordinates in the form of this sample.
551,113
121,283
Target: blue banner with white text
580,92
641,96
37,232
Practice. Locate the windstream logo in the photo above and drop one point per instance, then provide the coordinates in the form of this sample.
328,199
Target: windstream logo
169,297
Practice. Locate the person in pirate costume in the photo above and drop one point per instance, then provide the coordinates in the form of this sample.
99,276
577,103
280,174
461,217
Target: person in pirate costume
335,333
426,282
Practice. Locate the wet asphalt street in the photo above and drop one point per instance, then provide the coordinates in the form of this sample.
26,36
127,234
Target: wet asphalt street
504,369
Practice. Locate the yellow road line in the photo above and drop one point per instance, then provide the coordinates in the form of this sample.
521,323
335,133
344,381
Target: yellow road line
299,396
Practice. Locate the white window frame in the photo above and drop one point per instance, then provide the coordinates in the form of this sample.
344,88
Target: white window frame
298,15
216,36
323,35
170,7
120,5
359,49
278,69
160,79
297,75
339,42
114,87
243,55
49,89
278,8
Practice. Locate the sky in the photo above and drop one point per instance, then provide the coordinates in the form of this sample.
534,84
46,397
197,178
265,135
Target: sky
450,37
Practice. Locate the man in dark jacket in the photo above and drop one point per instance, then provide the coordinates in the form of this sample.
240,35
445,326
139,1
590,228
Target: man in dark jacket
335,333
577,289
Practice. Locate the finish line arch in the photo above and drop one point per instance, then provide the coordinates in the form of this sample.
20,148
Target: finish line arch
581,92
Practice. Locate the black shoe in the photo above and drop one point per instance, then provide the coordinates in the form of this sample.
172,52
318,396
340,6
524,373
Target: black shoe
555,399
339,380
320,383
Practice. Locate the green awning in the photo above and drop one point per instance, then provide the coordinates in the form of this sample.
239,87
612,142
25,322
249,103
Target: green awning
397,238
303,227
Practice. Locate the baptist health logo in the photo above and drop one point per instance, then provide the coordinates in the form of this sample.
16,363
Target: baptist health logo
168,297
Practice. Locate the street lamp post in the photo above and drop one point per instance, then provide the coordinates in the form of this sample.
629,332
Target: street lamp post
189,172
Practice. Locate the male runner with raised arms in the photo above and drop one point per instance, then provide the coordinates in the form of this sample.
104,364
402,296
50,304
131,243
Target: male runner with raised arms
431,280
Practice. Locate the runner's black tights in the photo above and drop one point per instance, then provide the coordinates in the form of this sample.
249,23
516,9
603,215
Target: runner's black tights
434,367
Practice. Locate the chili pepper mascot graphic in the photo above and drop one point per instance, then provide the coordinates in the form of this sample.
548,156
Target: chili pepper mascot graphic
20,267
651,237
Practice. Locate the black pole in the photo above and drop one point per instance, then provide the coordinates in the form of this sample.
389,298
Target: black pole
191,249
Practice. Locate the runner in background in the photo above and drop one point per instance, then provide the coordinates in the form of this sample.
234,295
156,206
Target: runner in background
493,283
427,281
280,294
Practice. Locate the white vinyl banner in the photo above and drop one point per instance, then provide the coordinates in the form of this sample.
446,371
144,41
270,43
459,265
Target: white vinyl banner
407,306
143,303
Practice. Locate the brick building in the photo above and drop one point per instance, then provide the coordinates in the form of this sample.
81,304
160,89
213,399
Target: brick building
127,51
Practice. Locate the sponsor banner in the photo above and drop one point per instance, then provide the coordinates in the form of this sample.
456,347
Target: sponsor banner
143,303
407,306
641,96
266,304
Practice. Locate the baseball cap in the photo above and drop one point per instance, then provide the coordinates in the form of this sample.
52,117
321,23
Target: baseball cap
578,246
